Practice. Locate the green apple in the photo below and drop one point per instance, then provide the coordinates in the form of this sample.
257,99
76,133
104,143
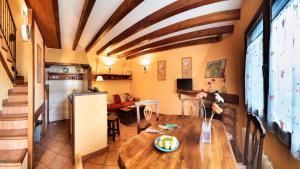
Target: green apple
173,145
167,144
160,144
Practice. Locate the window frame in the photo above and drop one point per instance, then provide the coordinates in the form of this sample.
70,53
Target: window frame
265,11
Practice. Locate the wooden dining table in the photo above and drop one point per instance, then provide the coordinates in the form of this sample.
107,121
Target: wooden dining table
140,152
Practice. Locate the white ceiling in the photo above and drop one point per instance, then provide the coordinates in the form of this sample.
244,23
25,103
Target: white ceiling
69,14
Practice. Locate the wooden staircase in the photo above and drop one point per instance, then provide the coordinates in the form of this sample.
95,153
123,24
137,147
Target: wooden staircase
13,128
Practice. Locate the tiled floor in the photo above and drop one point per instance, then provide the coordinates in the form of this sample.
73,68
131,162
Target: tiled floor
55,151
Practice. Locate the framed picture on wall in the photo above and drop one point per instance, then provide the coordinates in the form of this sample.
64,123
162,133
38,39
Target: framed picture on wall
39,64
186,67
215,69
161,70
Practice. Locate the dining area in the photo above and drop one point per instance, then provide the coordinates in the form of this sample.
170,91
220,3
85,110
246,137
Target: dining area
192,140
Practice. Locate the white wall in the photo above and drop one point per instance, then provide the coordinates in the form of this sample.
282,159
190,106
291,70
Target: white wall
90,126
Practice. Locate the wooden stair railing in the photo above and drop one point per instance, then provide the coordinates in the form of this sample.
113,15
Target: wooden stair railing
6,68
8,30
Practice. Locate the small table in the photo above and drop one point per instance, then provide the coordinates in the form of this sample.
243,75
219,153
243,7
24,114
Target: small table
128,115
139,152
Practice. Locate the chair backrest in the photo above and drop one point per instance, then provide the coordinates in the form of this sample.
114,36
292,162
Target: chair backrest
229,119
147,104
194,106
257,132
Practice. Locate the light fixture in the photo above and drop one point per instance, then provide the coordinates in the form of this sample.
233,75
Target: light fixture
99,79
108,62
145,64
109,68
25,29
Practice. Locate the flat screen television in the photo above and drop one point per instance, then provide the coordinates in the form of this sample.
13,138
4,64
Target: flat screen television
184,84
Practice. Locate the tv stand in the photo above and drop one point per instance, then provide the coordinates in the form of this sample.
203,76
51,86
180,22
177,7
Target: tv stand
228,98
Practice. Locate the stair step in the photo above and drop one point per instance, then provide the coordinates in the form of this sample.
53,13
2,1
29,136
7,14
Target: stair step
20,77
12,93
12,108
13,134
13,139
18,98
12,157
21,82
13,117
21,85
20,89
15,104
13,121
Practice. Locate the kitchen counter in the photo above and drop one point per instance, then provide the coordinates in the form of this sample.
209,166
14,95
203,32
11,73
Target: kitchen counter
88,122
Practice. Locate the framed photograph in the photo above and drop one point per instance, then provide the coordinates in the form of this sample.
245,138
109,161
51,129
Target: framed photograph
186,67
39,64
215,69
161,70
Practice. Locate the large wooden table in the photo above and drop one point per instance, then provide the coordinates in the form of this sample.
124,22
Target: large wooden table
139,151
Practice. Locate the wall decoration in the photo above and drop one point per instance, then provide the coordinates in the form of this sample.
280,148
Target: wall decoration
186,67
161,70
39,64
215,69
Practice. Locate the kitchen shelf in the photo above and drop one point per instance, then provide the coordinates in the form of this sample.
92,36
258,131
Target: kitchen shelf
113,77
65,76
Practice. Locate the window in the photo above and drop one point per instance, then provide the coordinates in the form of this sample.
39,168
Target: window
254,95
276,96
284,72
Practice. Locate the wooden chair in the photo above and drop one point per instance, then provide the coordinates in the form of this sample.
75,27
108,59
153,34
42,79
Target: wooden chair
195,106
147,113
229,120
253,150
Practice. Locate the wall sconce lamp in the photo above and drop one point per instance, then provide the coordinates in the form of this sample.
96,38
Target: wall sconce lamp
109,68
145,64
145,68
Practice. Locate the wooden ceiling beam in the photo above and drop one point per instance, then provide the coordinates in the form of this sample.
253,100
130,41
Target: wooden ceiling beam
177,45
126,7
170,10
179,38
86,11
56,17
47,20
186,24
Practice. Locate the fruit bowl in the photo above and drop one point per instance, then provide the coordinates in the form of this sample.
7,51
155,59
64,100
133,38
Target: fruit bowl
166,143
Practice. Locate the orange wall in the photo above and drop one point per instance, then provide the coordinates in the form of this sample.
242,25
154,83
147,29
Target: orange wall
146,86
66,56
119,66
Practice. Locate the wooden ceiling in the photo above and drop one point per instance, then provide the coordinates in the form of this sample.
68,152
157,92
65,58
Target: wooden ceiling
130,28
47,18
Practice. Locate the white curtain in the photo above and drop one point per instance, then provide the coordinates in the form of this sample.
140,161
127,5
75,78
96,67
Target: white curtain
254,88
284,73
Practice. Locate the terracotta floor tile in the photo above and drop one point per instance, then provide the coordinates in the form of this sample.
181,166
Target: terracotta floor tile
67,151
92,166
57,146
112,158
117,144
59,137
110,167
41,166
98,159
69,165
47,157
59,162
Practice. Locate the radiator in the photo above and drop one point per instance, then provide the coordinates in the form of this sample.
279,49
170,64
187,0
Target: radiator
266,163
